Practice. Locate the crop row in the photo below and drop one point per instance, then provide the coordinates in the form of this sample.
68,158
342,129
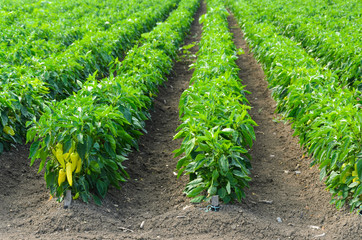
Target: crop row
45,31
88,135
217,129
332,37
25,97
92,52
325,115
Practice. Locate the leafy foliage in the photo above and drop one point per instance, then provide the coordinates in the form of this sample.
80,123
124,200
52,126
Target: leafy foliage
28,88
216,128
329,31
325,115
103,120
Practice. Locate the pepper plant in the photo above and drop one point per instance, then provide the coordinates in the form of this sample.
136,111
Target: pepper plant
102,121
324,113
217,129
58,76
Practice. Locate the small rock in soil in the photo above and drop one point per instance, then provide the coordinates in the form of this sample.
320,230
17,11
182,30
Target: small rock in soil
142,224
320,235
279,219
186,207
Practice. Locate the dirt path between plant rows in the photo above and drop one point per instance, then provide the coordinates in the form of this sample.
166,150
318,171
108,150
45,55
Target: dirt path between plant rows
151,205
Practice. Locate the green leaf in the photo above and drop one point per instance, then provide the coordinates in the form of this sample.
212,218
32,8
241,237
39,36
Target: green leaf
354,184
221,192
95,167
101,188
180,162
189,146
224,164
196,191
89,143
47,140
215,175
178,135
228,188
80,138
239,174
43,156
212,190
197,199
240,51
33,150
4,118
238,149
109,149
323,173
96,199
179,173
228,130
239,193
82,150
67,144
178,152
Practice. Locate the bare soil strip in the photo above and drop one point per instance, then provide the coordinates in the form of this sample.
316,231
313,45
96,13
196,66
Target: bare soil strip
151,205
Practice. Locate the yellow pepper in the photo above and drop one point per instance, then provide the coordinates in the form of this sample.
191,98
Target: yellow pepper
69,173
61,177
9,130
59,156
74,159
79,165
66,157
59,146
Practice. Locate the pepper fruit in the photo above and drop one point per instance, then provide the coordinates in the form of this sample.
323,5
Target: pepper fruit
69,173
66,157
59,146
61,177
79,165
59,156
74,157
9,130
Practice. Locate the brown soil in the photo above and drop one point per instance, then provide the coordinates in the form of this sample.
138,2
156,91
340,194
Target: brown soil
153,196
